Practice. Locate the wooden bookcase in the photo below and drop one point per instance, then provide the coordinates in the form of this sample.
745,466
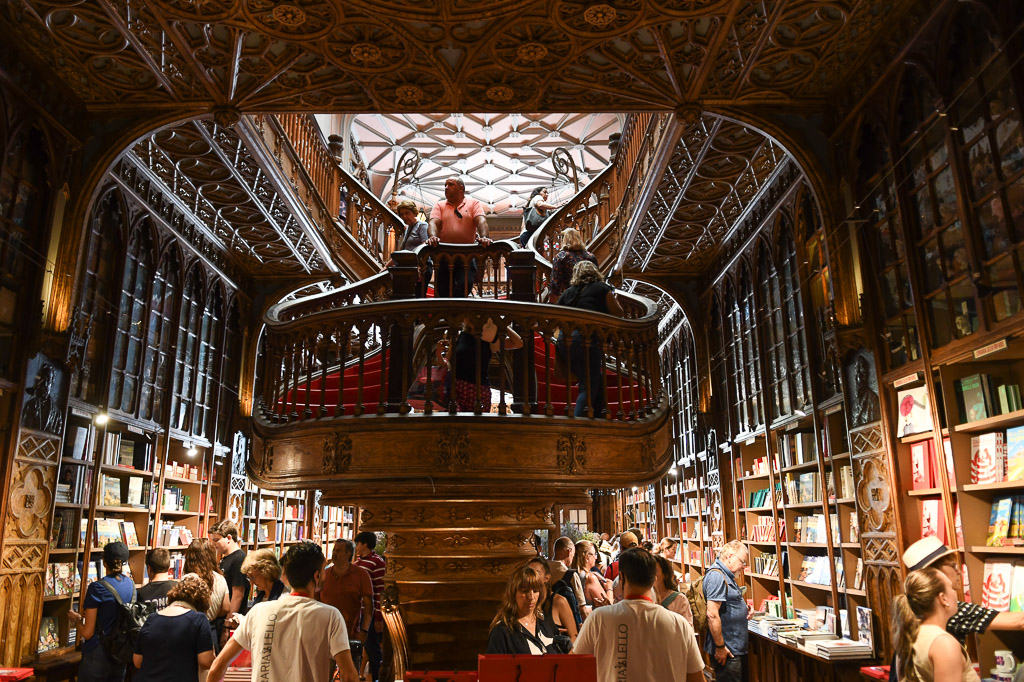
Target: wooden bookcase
273,519
953,489
122,480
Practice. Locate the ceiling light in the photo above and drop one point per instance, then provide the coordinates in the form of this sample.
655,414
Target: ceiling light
487,129
554,133
191,450
101,418
460,135
419,134
449,147
515,134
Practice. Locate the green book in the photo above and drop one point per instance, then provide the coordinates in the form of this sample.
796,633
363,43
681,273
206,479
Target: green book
972,399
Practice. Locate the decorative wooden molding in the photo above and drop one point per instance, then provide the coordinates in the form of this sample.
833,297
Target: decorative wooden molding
337,454
453,450
572,453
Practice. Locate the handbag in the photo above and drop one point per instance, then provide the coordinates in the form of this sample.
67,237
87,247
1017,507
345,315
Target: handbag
533,219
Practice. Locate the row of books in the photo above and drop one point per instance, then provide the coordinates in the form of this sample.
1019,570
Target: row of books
1003,587
132,491
796,448
74,482
811,528
803,489
176,499
767,564
115,530
1006,522
191,472
294,532
174,535
763,529
814,570
65,530
924,470
846,487
295,512
760,498
997,457
121,451
62,579
759,467
980,396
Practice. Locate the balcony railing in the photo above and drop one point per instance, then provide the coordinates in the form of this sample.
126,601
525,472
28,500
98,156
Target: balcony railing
371,348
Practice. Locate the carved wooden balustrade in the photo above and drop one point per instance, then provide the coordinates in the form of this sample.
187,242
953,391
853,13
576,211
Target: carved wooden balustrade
601,208
356,224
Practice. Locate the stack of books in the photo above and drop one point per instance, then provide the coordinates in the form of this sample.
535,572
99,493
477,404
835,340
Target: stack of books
842,649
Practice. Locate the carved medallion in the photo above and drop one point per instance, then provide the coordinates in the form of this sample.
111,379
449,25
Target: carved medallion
30,500
873,495
572,453
337,454
452,450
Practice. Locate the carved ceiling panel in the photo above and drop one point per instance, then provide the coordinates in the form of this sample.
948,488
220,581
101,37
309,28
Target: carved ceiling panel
715,177
450,55
213,175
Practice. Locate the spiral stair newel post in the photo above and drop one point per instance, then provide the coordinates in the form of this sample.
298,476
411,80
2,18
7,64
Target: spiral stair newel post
522,274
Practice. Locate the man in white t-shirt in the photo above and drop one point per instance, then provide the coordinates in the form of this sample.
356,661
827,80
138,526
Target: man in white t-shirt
294,637
637,640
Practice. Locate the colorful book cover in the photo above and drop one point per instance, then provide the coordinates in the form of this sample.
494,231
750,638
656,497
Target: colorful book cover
128,534
1017,588
933,521
858,575
999,521
126,453
920,467
48,587
996,590
135,491
63,579
865,632
111,491
49,638
972,399
987,458
107,531
1015,453
959,526
915,413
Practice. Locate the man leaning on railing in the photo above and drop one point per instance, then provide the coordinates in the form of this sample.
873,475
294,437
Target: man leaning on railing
456,220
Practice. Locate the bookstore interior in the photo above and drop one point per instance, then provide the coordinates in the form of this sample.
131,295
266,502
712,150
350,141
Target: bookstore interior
811,211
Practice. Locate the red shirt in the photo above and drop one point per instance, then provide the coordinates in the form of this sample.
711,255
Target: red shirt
455,230
374,565
346,594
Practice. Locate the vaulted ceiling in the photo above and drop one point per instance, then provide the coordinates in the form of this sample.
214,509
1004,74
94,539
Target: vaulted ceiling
402,60
449,55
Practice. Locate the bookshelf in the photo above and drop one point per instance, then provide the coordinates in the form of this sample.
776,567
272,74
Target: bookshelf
641,510
958,471
120,480
273,519
335,522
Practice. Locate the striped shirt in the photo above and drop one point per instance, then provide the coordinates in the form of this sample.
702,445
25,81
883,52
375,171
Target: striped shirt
374,565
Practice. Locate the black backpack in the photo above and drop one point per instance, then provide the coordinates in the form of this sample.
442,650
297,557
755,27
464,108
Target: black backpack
119,641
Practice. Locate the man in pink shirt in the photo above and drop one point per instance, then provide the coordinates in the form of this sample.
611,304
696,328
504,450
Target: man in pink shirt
456,220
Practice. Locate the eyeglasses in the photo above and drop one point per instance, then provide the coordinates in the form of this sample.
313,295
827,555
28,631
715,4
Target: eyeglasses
457,214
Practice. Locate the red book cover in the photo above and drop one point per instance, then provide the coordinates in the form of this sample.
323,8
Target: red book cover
933,519
920,466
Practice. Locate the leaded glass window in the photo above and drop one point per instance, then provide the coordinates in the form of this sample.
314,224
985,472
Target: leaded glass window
793,319
773,331
160,332
207,364
186,347
129,342
752,366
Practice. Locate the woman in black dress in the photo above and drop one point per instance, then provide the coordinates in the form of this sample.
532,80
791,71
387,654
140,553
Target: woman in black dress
520,626
176,641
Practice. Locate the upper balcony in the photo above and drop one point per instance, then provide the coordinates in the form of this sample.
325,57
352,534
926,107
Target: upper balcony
342,373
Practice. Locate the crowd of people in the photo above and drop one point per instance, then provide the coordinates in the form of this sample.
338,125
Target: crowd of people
228,602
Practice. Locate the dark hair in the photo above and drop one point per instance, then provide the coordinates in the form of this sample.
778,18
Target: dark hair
350,547
668,574
226,528
193,590
536,191
368,538
542,563
301,562
638,566
159,561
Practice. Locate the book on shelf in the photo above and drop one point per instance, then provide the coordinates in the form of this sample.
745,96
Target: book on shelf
1015,453
107,531
134,497
865,628
1009,398
846,487
947,449
1017,588
998,579
49,635
933,519
126,453
110,491
999,521
974,397
854,528
858,576
129,535
915,413
958,526
78,439
987,453
58,521
920,465
111,448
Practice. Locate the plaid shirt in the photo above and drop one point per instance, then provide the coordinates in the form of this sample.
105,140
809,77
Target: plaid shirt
562,267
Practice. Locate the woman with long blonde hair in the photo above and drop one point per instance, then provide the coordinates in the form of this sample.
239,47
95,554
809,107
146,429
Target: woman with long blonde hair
573,251
520,626
925,652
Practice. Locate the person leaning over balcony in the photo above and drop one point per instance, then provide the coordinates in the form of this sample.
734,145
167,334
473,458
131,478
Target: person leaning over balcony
589,291
573,251
471,352
456,220
539,203
415,234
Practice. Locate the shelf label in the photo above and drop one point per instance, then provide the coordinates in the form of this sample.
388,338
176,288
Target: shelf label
990,349
135,429
792,425
79,413
909,379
